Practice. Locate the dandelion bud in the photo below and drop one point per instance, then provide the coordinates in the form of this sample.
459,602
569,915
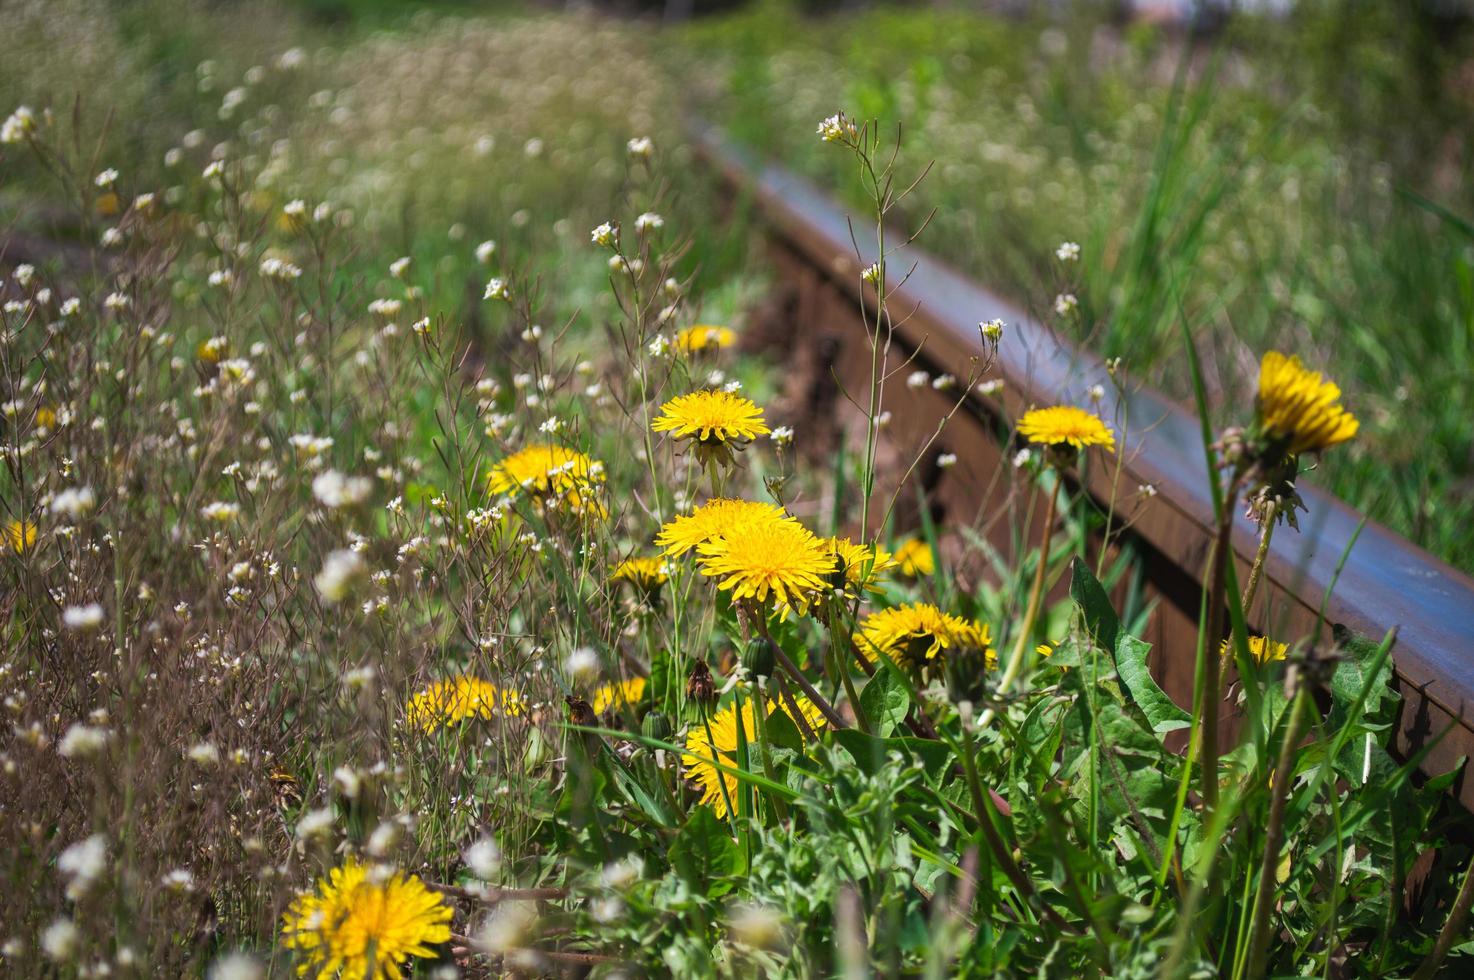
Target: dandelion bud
757,657
657,726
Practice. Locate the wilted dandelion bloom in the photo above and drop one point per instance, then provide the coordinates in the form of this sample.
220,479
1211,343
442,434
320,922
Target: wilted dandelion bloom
618,694
1261,648
361,924
445,704
1298,411
779,560
722,746
549,472
917,633
718,422
645,575
711,520
21,536
915,559
704,337
1065,430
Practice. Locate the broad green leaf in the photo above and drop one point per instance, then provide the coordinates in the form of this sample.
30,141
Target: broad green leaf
1100,618
1163,713
885,701
705,854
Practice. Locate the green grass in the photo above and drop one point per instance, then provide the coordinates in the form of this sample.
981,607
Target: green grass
1266,185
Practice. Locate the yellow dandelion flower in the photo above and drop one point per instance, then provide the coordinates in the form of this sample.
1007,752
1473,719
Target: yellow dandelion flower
716,421
915,558
1261,648
1063,426
645,574
619,694
550,474
1299,411
704,337
107,204
21,535
861,564
45,418
722,747
366,924
778,560
916,633
445,704
711,520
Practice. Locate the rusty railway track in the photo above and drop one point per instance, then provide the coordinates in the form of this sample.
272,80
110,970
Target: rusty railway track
1386,582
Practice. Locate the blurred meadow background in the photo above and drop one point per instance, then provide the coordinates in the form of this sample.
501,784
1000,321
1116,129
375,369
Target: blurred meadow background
331,263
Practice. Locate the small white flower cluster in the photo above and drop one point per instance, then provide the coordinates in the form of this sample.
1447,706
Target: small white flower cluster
1068,252
275,268
83,619
220,512
74,502
18,126
335,491
606,235
837,129
497,289
1065,304
341,571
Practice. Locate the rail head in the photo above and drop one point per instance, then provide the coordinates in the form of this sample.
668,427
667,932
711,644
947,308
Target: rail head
1386,582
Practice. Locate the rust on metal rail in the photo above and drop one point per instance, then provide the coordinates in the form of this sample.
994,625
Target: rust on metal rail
1386,582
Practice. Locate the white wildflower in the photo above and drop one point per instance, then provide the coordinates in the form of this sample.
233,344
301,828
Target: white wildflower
341,570
83,619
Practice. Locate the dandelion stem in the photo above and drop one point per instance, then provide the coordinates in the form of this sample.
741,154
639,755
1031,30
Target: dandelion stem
1258,567
1213,662
1275,834
1031,611
825,708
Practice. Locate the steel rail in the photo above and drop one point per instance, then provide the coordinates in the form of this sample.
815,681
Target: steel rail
1386,582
